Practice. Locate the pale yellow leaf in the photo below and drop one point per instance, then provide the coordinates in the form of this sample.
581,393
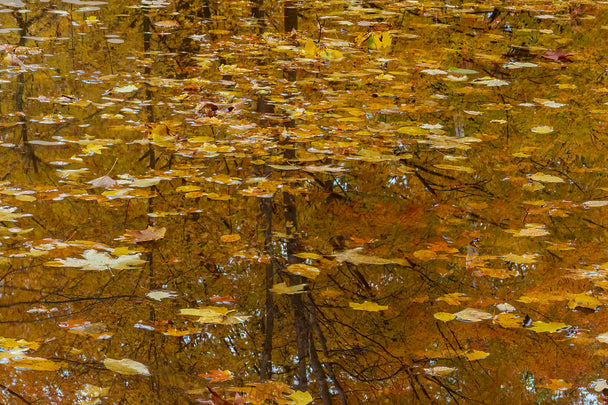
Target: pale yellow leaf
126,366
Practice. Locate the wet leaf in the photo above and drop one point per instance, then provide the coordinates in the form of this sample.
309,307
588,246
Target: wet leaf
551,327
546,178
126,366
472,315
558,55
159,295
214,315
301,398
353,256
453,298
283,288
474,355
217,375
584,300
556,385
148,234
103,181
444,316
367,306
439,371
507,320
599,385
303,270
99,261
233,237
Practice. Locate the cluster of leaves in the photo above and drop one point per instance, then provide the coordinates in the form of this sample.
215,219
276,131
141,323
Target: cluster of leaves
400,179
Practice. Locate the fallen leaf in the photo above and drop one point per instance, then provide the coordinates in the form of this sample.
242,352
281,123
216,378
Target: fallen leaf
472,315
556,385
214,315
233,237
439,371
473,355
126,366
591,204
303,270
367,306
161,294
546,178
558,55
507,320
453,298
444,316
103,181
148,234
584,300
301,398
94,260
542,129
353,256
283,288
599,385
217,375
551,327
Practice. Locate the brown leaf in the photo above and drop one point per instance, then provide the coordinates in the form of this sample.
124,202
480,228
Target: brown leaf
558,55
150,233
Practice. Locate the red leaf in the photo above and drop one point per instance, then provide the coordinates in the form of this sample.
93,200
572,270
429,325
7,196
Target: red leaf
558,55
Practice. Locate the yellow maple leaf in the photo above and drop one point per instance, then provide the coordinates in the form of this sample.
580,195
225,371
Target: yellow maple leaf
301,398
508,320
551,327
453,298
310,49
585,301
